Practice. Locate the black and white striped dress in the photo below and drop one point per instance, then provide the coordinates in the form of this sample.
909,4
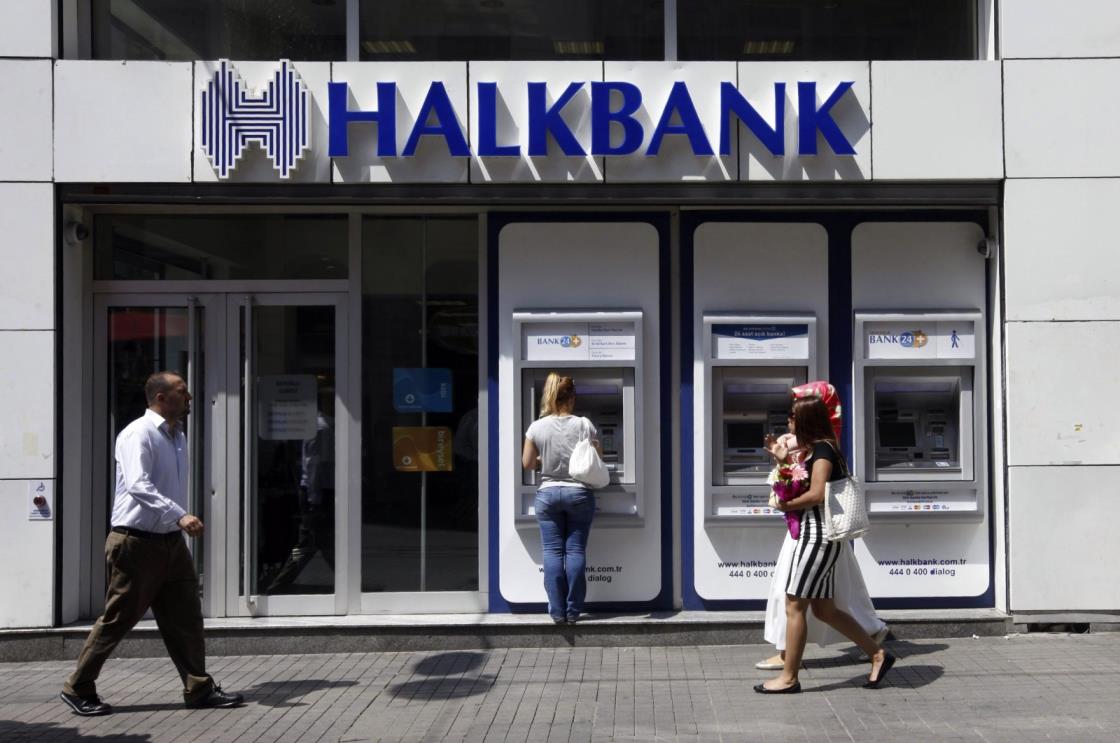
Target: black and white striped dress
812,572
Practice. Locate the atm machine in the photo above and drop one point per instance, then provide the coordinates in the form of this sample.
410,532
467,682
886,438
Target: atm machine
920,441
751,361
600,352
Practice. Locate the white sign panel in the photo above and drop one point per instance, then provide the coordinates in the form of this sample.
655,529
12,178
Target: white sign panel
611,341
40,500
760,341
956,340
562,341
918,340
928,499
286,406
743,504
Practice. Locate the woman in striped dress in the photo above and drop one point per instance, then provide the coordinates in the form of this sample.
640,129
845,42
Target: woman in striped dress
812,572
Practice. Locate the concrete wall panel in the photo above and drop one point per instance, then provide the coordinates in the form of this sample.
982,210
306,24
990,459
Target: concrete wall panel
936,120
27,252
27,554
25,121
27,404
1063,547
1060,118
1061,258
27,28
122,121
1059,379
1072,28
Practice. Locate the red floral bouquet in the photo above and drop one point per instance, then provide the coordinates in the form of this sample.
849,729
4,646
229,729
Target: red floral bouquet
789,479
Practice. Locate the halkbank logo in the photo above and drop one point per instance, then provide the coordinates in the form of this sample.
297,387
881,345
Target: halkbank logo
233,117
277,119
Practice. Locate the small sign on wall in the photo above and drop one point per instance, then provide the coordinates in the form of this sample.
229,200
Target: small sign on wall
760,341
422,449
287,407
421,390
40,500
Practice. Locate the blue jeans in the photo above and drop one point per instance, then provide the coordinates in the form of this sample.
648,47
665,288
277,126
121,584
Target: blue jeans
564,514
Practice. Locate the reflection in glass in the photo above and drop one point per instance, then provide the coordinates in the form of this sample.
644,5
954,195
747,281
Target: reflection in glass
142,341
512,29
217,246
420,320
293,462
824,30
215,29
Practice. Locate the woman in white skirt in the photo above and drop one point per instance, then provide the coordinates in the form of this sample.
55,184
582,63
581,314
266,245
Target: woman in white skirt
811,579
849,594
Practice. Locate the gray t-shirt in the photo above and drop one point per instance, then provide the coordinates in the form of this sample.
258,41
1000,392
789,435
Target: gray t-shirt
555,436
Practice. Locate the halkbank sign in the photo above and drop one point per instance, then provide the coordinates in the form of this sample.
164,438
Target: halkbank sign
276,117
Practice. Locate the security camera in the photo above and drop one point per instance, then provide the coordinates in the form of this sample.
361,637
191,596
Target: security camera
75,233
984,247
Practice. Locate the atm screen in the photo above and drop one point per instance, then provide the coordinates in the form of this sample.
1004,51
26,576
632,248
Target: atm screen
744,435
894,434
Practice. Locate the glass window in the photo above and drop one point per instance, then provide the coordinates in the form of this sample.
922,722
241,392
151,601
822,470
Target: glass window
214,246
826,30
419,404
512,29
213,29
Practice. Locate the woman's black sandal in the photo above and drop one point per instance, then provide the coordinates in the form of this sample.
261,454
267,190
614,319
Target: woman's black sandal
794,688
888,662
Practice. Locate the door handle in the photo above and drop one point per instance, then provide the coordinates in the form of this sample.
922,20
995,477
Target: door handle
249,460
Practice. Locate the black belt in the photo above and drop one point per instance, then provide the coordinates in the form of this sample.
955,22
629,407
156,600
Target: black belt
130,532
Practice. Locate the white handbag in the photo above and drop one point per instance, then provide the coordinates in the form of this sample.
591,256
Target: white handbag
845,507
585,464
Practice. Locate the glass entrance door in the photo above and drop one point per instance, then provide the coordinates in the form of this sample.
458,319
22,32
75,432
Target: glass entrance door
268,440
137,335
287,445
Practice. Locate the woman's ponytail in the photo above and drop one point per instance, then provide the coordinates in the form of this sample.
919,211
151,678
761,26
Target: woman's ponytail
558,394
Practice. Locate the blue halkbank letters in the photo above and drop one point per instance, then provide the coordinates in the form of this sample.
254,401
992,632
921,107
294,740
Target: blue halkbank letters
437,117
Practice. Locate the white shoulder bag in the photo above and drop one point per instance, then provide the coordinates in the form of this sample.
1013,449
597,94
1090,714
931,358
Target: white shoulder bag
585,464
845,507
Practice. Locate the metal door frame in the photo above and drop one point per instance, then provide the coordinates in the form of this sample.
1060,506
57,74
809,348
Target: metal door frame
346,512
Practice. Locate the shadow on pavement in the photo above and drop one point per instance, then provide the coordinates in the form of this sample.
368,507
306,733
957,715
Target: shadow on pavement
901,676
445,677
446,687
901,648
281,693
442,664
14,730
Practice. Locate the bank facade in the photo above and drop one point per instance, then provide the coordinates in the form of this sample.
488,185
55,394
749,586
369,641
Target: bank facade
364,235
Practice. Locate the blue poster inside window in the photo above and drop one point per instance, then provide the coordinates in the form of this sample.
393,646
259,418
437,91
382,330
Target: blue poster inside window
421,390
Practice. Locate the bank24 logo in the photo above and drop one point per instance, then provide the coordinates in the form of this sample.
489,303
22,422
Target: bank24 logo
912,339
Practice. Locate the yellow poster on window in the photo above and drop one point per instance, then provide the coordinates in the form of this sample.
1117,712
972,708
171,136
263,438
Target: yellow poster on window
422,448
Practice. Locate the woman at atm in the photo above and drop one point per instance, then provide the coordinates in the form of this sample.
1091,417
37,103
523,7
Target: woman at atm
811,575
564,506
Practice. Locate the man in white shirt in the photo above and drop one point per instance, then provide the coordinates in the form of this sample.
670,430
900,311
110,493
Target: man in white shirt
151,566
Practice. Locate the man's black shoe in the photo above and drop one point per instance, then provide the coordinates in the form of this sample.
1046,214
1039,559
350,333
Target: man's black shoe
91,706
217,699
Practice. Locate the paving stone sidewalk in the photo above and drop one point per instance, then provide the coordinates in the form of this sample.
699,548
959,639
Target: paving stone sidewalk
1019,688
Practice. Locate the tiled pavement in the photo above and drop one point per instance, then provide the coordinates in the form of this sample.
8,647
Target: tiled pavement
1023,687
